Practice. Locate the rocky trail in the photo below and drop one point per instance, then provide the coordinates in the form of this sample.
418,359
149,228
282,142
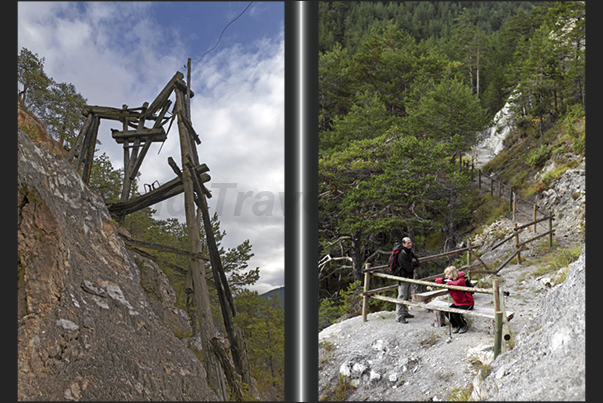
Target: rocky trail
384,360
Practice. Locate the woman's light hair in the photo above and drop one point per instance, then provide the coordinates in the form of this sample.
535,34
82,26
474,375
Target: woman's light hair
452,272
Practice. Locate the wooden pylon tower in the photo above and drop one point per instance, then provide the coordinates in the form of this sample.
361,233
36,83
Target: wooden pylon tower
136,139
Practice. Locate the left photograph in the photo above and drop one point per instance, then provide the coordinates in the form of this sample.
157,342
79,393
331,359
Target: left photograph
150,189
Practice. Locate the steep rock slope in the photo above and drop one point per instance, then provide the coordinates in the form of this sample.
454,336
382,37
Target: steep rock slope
548,361
86,328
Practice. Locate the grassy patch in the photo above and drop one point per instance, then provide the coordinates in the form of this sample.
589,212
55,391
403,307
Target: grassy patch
489,210
339,392
555,260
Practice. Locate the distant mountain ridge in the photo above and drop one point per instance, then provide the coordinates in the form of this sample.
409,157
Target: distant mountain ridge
278,291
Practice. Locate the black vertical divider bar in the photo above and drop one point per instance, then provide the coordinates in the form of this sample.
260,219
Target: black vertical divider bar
301,201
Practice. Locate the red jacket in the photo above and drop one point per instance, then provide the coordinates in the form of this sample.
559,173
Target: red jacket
459,297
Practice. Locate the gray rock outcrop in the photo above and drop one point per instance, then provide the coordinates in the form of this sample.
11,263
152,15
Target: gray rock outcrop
549,359
87,330
566,198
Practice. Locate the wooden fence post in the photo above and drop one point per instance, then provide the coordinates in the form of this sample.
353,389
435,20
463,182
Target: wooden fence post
497,332
551,232
506,333
497,318
511,199
479,178
517,243
535,213
496,295
367,276
491,186
514,206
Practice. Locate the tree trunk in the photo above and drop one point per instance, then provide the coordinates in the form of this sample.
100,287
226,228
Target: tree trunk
357,255
478,70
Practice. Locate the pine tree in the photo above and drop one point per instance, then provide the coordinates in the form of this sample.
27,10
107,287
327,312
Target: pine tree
35,82
57,105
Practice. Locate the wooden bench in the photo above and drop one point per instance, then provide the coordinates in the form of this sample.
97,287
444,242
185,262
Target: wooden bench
428,295
485,312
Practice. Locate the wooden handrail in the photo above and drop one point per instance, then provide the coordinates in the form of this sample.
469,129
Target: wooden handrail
450,253
432,284
535,238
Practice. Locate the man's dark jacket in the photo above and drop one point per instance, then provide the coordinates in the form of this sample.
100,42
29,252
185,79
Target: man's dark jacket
405,262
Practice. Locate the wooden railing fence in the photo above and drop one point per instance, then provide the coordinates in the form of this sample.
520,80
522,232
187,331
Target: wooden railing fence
499,314
501,325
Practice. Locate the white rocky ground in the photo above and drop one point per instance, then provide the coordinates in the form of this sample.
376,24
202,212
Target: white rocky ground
388,361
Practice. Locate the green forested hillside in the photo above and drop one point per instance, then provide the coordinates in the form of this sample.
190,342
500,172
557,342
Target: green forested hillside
349,23
404,88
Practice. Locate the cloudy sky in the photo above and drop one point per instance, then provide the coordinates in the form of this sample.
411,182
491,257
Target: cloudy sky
126,52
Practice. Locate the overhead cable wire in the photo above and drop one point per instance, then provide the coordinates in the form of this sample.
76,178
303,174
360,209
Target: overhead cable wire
219,39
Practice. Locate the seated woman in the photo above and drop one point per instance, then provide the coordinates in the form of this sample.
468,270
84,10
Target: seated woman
461,299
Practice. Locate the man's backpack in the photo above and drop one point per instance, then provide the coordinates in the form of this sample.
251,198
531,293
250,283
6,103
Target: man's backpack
392,262
469,284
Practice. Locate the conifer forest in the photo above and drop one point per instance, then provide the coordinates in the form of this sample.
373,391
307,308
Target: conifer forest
405,88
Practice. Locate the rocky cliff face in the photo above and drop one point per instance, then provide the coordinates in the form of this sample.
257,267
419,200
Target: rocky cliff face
491,139
549,359
91,318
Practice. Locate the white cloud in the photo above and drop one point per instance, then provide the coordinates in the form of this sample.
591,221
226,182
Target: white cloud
241,111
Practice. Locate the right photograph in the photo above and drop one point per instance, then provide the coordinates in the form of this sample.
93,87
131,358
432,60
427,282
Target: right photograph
451,196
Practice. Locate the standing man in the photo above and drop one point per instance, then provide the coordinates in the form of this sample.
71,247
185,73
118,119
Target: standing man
407,261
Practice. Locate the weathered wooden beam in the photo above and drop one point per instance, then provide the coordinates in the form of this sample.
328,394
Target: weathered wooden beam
232,377
436,305
213,366
106,112
174,167
156,259
86,143
89,150
157,133
164,94
189,127
198,185
129,160
163,192
158,121
138,160
181,85
164,262
162,248
501,242
80,138
533,223
175,82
